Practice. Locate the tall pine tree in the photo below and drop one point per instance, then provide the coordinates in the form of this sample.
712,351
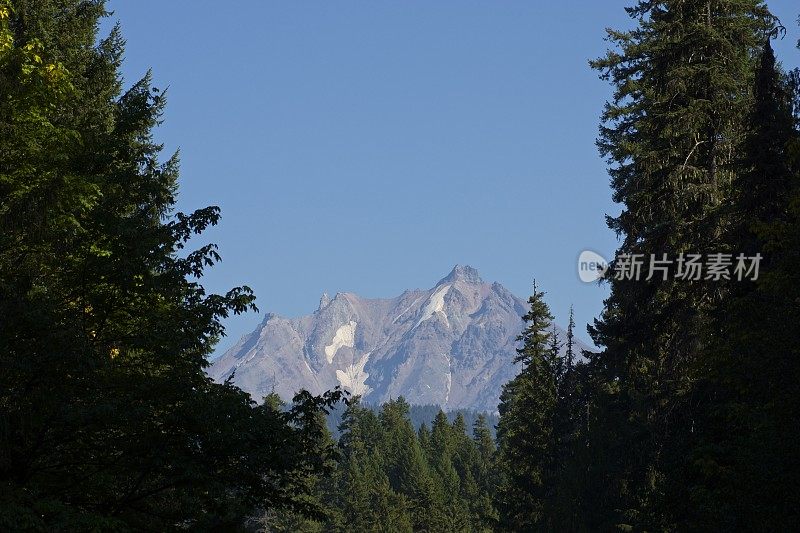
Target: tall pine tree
525,430
744,464
108,418
682,83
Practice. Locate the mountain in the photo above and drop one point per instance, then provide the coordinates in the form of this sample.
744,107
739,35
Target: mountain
452,345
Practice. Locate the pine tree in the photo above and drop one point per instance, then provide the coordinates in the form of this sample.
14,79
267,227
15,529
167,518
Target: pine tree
525,431
109,421
408,470
363,496
682,83
485,474
745,462
570,344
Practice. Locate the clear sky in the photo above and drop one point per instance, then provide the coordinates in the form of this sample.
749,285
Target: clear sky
368,147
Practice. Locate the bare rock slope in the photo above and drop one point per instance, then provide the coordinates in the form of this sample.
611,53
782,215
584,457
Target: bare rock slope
452,345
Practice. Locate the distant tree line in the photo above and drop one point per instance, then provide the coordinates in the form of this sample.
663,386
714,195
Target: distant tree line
418,415
387,476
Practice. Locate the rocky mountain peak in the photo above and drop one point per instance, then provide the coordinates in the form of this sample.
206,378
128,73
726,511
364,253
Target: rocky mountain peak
324,301
451,345
463,273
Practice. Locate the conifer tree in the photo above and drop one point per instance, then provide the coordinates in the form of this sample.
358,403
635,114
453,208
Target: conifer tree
682,83
570,343
486,474
363,496
556,361
482,436
109,421
444,442
746,442
424,436
474,501
525,431
408,471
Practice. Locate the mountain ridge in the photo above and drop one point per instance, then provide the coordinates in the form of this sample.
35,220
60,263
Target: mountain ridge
452,345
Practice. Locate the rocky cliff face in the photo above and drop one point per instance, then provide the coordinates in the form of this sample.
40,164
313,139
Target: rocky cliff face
452,345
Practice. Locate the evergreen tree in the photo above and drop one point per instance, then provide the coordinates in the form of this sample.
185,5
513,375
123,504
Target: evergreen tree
485,475
566,414
388,480
424,436
682,82
556,361
363,495
443,457
570,353
474,501
482,436
745,463
109,421
391,511
525,431
568,446
408,471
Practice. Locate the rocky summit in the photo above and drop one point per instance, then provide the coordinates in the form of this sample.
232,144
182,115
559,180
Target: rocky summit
452,345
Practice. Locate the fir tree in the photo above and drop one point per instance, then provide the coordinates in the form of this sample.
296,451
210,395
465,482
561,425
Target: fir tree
486,474
364,497
482,436
525,431
109,421
744,464
682,83
556,361
407,468
570,344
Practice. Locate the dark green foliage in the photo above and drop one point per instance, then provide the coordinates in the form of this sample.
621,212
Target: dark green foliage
687,420
390,478
683,80
682,422
420,415
745,462
485,474
525,432
107,419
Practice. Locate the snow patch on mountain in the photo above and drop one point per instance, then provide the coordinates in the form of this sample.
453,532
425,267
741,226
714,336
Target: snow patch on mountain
345,336
353,378
435,305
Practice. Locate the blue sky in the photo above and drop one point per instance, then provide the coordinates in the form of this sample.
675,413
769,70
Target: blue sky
369,146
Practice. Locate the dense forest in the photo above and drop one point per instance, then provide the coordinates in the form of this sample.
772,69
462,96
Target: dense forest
685,419
419,415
